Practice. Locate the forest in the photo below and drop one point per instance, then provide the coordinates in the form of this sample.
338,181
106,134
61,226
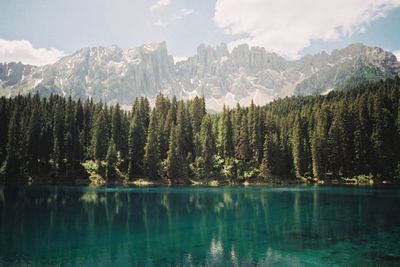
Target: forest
346,133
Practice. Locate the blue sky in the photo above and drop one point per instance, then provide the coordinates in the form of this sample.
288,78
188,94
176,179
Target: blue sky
41,31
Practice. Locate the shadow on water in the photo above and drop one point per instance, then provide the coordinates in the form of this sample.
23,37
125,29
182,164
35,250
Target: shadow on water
186,226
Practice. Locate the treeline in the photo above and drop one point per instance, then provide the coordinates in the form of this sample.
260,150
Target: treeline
343,134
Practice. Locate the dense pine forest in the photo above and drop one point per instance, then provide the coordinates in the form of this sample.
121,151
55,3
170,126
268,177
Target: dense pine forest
343,134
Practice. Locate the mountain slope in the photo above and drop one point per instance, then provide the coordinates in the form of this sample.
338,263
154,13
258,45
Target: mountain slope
112,74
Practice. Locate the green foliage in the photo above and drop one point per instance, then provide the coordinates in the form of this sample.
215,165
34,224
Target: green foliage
363,77
58,138
207,145
136,143
11,165
225,134
229,170
198,167
397,172
352,133
319,145
268,157
111,160
151,154
174,160
99,134
242,141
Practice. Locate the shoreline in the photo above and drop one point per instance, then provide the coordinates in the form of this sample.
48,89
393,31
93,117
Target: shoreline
207,182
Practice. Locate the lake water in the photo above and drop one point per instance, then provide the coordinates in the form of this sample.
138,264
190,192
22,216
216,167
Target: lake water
200,226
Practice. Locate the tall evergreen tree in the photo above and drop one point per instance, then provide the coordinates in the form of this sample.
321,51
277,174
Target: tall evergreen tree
299,144
197,112
151,154
33,140
382,137
116,128
174,160
136,143
225,134
319,145
206,144
4,119
58,138
243,146
70,138
184,129
253,133
99,134
111,160
11,166
266,167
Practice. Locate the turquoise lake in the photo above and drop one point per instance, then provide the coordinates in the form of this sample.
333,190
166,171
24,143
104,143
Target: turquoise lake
295,225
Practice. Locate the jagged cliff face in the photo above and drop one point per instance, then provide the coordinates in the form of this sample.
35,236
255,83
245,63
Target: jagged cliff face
102,73
114,75
228,78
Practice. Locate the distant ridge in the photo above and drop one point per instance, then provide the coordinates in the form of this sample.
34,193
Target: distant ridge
112,74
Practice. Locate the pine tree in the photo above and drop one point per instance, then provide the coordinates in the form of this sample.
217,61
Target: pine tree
225,134
173,163
382,138
136,143
362,132
298,148
111,160
243,146
70,137
206,144
87,126
165,134
151,154
4,120
253,133
33,140
184,130
319,145
58,138
144,111
274,162
116,128
99,134
197,112
266,168
46,140
236,123
11,166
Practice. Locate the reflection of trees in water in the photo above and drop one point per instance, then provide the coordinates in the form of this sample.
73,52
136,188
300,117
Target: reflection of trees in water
203,225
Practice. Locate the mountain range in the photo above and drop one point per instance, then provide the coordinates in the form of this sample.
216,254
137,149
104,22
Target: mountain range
112,74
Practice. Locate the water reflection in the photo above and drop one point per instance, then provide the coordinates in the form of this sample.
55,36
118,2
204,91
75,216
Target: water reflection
232,226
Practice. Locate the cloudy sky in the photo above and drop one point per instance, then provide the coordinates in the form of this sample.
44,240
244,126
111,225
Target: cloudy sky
41,31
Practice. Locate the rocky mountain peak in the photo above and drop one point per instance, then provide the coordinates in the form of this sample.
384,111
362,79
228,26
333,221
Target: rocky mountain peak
112,74
222,50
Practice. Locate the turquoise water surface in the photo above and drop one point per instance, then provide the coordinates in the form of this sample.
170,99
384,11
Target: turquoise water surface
200,226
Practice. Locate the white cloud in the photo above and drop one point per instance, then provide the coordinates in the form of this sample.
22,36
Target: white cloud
397,54
186,12
288,26
23,51
161,23
183,13
160,4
